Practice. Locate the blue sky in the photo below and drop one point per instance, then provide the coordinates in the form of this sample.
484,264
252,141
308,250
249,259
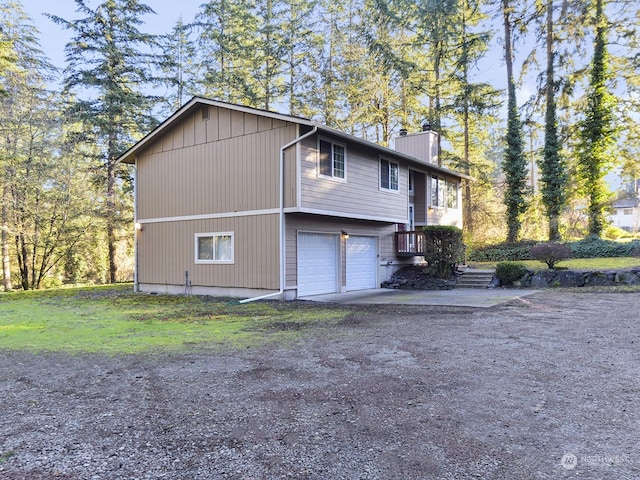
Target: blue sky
53,38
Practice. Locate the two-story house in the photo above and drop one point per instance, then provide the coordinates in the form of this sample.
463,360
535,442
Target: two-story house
241,202
625,214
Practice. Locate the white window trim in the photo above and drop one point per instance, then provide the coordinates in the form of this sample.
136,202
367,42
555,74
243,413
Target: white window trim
214,234
332,142
384,189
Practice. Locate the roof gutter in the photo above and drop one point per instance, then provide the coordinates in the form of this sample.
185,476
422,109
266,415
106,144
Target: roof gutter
281,218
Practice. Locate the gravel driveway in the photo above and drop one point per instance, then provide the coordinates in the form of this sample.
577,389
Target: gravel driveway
545,387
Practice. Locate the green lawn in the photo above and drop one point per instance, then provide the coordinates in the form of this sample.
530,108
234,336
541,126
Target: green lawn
113,320
576,263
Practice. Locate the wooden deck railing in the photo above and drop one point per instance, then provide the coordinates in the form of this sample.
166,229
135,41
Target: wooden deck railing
409,244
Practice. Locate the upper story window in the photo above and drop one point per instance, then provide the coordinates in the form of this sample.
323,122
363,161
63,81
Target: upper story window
411,182
627,211
388,175
444,193
438,191
452,195
332,159
214,247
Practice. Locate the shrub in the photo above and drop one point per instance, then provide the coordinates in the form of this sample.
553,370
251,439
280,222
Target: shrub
443,249
509,272
614,233
598,248
550,253
503,252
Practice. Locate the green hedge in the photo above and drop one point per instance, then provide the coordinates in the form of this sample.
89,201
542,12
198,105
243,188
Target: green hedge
588,248
503,252
598,248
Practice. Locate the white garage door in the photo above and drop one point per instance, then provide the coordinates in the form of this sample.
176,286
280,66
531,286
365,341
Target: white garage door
362,259
317,263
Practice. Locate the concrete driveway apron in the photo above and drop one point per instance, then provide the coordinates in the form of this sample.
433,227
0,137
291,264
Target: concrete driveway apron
461,297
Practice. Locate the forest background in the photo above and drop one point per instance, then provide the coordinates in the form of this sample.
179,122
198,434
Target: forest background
537,100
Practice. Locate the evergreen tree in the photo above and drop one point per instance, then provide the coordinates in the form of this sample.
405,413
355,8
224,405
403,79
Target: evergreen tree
436,28
269,63
552,166
44,190
472,103
108,67
178,66
227,41
597,130
514,165
331,88
21,78
301,45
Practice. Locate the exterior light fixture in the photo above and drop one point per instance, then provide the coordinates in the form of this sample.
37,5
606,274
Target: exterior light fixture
138,226
345,234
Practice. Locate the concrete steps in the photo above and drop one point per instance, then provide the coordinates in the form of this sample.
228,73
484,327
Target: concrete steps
474,278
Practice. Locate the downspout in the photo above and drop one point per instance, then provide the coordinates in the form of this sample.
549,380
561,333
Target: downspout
281,219
136,227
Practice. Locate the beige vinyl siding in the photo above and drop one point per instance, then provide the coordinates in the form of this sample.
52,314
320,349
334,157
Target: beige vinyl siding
314,223
166,250
359,194
227,163
290,183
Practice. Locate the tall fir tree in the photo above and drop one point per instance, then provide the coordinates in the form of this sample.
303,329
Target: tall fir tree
597,130
436,27
24,70
108,68
44,190
301,44
227,41
178,66
514,165
471,103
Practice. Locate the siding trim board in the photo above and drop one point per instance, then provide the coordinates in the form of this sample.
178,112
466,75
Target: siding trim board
210,216
355,216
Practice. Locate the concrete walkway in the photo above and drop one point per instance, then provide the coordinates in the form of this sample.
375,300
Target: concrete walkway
460,297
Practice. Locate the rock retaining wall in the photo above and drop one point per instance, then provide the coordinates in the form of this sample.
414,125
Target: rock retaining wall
416,277
574,278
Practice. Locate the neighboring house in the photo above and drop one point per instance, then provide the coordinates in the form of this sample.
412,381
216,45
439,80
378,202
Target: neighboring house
236,201
625,214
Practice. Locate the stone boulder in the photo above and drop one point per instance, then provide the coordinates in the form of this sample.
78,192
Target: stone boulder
627,278
569,278
600,279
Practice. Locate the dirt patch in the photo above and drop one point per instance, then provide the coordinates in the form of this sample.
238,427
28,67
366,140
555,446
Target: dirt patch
544,387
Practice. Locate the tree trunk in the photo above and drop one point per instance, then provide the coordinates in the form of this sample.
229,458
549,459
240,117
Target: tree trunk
23,254
508,49
111,208
6,260
467,221
111,237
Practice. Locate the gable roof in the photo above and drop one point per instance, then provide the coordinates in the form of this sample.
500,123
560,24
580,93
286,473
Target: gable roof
625,203
130,155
